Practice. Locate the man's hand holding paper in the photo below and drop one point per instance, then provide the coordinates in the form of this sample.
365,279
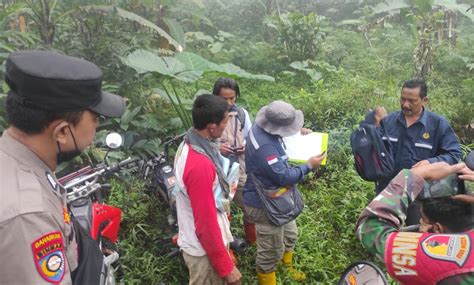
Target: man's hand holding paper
315,161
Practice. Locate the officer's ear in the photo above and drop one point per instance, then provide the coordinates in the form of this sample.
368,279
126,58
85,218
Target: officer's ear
60,131
439,228
424,100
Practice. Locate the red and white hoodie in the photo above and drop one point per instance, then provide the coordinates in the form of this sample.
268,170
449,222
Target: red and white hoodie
203,229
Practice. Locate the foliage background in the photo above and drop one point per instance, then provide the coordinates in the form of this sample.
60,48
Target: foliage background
332,59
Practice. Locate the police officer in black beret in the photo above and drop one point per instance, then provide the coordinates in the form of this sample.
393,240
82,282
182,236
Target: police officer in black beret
53,108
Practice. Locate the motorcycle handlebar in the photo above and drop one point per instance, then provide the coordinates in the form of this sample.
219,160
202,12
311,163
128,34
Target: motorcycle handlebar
101,171
89,184
117,166
174,139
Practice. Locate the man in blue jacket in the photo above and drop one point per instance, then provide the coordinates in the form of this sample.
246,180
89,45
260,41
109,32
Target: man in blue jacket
266,159
415,135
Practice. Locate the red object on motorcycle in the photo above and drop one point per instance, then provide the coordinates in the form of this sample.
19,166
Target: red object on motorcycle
232,257
174,239
104,213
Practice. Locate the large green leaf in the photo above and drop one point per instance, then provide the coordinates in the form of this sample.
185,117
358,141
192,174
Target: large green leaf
185,66
390,6
144,61
303,66
315,75
195,62
173,66
299,65
188,75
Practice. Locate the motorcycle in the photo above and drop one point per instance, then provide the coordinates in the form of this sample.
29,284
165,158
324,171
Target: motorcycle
85,199
158,172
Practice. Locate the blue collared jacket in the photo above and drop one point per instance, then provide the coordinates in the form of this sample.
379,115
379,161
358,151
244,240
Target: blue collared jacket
430,138
266,158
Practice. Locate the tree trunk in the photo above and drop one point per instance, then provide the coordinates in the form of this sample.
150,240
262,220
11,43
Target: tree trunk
423,54
41,18
22,23
423,57
269,6
452,25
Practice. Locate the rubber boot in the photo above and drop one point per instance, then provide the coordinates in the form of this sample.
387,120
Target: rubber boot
266,278
250,233
288,262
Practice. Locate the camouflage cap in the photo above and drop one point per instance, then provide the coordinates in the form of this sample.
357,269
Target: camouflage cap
448,186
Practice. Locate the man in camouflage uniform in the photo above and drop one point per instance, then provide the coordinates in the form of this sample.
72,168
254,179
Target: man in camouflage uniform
440,256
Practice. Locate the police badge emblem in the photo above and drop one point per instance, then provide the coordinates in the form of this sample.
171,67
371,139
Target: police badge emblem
49,258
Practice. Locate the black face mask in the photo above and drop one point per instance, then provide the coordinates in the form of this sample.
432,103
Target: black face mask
64,156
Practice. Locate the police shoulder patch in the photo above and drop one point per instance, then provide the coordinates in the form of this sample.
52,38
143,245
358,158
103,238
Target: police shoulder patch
51,180
454,248
49,257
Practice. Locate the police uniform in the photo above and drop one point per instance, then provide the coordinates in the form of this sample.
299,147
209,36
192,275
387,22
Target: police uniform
37,242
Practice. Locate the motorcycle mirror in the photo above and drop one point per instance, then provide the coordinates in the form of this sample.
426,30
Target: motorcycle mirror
363,272
113,140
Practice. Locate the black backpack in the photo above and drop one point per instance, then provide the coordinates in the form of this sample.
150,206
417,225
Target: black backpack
373,158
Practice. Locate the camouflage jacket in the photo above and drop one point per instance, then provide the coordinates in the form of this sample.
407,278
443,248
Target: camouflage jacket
387,214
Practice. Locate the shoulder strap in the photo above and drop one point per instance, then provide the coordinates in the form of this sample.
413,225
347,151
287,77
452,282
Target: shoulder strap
241,117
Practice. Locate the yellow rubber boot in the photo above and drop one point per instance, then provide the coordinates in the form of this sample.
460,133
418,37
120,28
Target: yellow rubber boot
288,262
266,278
